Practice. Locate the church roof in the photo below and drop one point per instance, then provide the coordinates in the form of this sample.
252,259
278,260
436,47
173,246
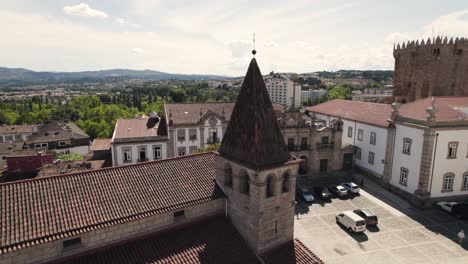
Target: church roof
45,209
253,136
211,240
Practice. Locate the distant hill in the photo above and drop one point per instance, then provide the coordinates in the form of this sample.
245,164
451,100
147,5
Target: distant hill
20,74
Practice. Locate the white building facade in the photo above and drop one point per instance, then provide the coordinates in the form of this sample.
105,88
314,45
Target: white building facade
284,91
139,140
419,150
312,95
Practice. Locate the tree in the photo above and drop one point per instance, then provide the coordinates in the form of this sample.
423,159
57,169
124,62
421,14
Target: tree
177,95
339,92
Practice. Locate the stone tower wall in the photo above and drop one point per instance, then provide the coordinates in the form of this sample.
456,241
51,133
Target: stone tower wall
436,67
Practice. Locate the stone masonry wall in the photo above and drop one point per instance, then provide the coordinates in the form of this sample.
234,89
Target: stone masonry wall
101,237
433,68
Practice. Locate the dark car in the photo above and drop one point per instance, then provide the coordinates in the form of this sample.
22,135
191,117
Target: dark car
322,192
368,215
460,210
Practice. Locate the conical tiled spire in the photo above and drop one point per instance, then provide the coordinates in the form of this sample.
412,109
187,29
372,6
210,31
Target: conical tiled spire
253,135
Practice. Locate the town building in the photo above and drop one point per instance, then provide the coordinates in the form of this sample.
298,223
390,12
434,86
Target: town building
194,126
139,140
235,206
62,137
101,149
376,95
16,132
59,167
318,146
312,95
418,149
437,67
284,91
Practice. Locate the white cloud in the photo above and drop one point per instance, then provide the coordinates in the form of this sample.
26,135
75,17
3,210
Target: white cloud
138,50
122,21
83,10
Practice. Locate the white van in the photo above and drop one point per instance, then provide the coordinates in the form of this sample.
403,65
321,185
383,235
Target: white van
352,221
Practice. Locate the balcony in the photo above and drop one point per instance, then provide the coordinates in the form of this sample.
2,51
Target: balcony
212,140
299,147
142,160
325,147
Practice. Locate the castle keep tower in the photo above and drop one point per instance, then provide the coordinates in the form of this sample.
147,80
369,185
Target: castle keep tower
432,68
255,169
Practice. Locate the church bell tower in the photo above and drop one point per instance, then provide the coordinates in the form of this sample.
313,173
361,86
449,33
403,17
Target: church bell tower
255,169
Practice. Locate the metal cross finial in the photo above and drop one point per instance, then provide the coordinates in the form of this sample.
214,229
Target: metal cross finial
254,51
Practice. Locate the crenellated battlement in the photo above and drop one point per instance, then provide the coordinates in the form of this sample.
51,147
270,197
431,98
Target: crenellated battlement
431,46
435,67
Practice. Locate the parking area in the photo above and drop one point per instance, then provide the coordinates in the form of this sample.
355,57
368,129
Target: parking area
404,234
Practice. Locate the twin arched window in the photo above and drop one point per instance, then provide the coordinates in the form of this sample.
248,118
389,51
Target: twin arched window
244,186
285,183
270,186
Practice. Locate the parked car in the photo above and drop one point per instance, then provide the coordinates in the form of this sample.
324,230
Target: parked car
351,221
305,194
351,187
322,192
447,206
338,190
368,215
458,209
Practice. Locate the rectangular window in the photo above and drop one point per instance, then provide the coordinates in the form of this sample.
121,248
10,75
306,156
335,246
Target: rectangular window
17,137
323,165
447,185
36,146
350,131
8,138
359,135
452,150
407,145
373,138
404,176
192,134
465,182
157,152
181,134
179,215
303,143
142,154
192,149
325,140
62,143
72,243
371,157
127,155
358,153
181,151
291,144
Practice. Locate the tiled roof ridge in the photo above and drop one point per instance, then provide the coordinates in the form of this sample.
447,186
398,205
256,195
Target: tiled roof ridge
77,231
361,102
105,169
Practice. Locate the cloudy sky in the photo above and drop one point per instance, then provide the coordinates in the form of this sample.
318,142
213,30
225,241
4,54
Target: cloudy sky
214,36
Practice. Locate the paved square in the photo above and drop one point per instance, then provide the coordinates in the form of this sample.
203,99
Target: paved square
404,235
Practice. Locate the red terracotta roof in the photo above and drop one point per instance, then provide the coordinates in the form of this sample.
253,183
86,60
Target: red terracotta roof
291,252
213,240
448,108
133,128
101,144
34,211
365,112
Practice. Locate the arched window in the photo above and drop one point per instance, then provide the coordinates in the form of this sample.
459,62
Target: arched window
447,184
270,186
285,183
244,183
228,175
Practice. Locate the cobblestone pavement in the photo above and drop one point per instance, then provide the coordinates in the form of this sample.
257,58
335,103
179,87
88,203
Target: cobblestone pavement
404,235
